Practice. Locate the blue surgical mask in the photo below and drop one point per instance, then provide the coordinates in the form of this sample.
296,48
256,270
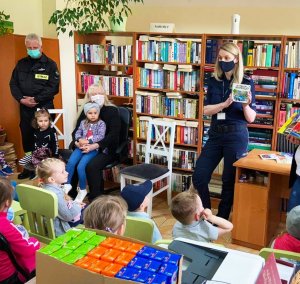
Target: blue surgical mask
34,53
226,66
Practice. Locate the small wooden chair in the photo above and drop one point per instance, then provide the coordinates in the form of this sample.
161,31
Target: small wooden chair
42,207
139,229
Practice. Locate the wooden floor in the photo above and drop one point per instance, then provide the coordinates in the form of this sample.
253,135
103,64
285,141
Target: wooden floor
165,221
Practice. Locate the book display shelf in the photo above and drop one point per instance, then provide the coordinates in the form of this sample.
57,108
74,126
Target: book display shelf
164,76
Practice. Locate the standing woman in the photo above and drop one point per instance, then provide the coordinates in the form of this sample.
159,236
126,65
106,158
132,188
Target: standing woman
228,133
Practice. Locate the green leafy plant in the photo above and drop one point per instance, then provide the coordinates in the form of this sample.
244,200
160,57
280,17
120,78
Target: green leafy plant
88,16
3,18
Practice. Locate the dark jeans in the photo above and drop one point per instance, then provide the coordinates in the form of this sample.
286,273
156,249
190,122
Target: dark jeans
294,199
231,146
94,174
26,117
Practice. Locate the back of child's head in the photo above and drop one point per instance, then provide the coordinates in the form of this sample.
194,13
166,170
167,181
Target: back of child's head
46,168
135,194
293,222
6,191
106,213
184,206
39,113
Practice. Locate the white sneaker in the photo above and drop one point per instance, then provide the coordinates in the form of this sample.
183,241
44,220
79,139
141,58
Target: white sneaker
66,188
81,195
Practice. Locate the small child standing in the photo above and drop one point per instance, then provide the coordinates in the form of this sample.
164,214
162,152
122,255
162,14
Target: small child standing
45,141
23,248
290,241
193,221
53,175
107,213
91,130
137,201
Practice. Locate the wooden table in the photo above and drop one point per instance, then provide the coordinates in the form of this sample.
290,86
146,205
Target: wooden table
257,207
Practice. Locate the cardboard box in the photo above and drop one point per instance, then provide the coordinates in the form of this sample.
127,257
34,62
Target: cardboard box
50,270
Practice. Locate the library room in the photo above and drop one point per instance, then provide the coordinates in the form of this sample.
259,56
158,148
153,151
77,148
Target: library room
146,141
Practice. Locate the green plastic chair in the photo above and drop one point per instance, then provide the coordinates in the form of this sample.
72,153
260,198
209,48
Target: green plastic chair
20,215
139,229
42,207
264,252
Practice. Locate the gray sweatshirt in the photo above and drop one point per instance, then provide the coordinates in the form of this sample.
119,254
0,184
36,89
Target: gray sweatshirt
67,210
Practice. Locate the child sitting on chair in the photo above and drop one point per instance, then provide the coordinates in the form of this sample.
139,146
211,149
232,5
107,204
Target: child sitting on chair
91,130
290,241
137,200
193,221
52,174
23,248
107,213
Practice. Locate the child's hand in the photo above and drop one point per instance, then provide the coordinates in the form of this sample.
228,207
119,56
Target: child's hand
83,142
206,214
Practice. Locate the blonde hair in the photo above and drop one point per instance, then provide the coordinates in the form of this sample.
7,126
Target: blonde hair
6,191
92,90
106,213
238,71
184,206
39,113
46,168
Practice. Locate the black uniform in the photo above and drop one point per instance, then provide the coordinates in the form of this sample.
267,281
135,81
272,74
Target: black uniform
38,78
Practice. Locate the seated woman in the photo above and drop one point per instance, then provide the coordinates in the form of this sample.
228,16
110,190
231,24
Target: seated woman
110,115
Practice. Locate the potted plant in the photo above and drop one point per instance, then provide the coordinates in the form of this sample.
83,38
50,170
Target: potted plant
87,16
6,26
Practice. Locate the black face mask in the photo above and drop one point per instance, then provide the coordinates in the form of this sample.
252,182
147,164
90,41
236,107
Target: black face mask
226,66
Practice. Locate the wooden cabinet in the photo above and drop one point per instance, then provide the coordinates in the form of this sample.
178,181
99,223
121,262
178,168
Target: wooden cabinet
257,205
12,49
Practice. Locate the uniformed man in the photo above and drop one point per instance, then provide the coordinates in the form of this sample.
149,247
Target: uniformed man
34,83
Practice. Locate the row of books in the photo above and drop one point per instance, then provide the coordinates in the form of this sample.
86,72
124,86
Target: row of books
104,54
158,104
113,85
168,49
254,53
291,86
165,79
286,110
186,132
292,54
182,159
260,139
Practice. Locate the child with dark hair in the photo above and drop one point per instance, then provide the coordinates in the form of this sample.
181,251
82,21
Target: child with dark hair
23,248
45,141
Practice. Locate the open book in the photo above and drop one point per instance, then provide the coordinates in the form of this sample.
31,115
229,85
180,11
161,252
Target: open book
291,126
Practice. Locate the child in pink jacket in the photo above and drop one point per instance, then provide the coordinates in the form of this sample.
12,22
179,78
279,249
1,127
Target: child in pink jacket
23,248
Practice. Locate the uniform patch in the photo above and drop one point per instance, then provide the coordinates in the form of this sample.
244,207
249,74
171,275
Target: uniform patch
41,76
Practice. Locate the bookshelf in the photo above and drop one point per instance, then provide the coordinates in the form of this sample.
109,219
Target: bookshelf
169,82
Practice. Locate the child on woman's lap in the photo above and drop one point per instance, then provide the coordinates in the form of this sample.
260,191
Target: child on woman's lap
53,175
91,130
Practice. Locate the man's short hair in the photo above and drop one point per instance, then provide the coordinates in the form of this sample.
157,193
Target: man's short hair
33,36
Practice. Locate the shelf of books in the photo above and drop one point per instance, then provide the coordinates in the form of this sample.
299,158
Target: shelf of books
106,57
262,61
168,87
289,97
